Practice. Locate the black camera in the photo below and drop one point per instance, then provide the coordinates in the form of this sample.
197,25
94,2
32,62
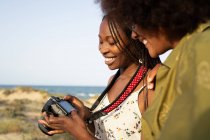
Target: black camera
56,107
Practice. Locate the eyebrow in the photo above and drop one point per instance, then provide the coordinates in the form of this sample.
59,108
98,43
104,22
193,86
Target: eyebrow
107,37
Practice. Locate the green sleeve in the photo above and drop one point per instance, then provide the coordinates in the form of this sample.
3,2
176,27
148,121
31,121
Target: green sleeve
189,118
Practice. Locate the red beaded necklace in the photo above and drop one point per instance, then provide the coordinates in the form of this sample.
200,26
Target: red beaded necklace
130,87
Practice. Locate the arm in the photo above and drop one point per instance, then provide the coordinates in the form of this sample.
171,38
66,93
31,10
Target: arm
190,113
189,116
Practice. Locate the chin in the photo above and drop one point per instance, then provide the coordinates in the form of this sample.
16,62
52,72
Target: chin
153,55
112,68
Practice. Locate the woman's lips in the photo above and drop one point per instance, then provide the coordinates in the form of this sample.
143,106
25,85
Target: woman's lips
109,61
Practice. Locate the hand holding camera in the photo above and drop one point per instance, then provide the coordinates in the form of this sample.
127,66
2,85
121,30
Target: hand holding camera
56,107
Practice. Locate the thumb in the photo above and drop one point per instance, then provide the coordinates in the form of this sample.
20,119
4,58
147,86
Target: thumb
151,76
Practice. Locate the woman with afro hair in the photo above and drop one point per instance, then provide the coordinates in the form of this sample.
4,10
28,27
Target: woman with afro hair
181,106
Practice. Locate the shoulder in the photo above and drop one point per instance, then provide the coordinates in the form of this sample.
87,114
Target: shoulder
200,39
195,47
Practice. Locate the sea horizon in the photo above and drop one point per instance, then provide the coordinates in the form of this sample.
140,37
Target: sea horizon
80,91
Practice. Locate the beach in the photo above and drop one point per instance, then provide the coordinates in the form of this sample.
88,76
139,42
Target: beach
20,109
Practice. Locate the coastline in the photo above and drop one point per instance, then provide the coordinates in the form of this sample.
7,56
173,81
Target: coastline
82,92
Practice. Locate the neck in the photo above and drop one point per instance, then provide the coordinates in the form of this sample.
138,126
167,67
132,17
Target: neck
128,71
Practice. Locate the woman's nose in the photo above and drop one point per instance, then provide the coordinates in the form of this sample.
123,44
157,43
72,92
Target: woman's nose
134,35
103,48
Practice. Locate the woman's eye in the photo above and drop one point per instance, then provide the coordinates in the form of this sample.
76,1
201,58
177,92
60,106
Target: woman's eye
113,42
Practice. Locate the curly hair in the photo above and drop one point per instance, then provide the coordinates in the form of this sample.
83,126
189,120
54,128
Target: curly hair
134,50
175,17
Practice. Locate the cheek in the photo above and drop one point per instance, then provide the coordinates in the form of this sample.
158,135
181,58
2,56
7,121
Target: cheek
153,48
117,51
159,48
121,58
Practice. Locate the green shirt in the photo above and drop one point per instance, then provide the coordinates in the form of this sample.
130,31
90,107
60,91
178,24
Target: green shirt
181,107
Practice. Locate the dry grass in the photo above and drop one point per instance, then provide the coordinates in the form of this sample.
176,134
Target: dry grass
20,110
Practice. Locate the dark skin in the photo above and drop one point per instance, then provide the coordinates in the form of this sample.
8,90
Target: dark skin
73,123
151,77
161,18
115,59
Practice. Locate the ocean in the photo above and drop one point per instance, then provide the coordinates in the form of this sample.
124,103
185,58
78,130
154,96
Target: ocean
82,92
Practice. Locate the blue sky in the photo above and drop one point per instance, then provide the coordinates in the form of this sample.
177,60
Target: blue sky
51,42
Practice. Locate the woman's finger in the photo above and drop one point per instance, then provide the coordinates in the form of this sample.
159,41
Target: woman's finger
43,122
74,101
151,77
68,98
55,132
152,73
55,120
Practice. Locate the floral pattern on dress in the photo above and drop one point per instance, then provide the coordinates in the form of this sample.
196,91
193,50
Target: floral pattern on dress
122,123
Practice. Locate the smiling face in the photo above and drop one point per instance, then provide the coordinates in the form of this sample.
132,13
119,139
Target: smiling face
108,46
155,43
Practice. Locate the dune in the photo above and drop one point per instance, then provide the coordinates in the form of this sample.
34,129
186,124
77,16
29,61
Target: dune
22,93
20,109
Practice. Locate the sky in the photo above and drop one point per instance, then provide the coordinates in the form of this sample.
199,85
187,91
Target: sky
51,42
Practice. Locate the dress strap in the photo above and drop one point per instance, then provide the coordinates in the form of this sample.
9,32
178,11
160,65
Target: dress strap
130,87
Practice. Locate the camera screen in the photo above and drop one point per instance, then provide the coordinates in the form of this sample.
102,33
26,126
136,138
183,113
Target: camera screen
67,106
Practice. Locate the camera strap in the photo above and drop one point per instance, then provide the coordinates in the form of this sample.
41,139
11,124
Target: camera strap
130,87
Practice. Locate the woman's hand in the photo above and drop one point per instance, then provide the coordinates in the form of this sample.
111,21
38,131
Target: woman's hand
72,124
83,111
151,77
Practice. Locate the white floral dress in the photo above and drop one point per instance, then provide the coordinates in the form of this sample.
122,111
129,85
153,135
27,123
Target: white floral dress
122,123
